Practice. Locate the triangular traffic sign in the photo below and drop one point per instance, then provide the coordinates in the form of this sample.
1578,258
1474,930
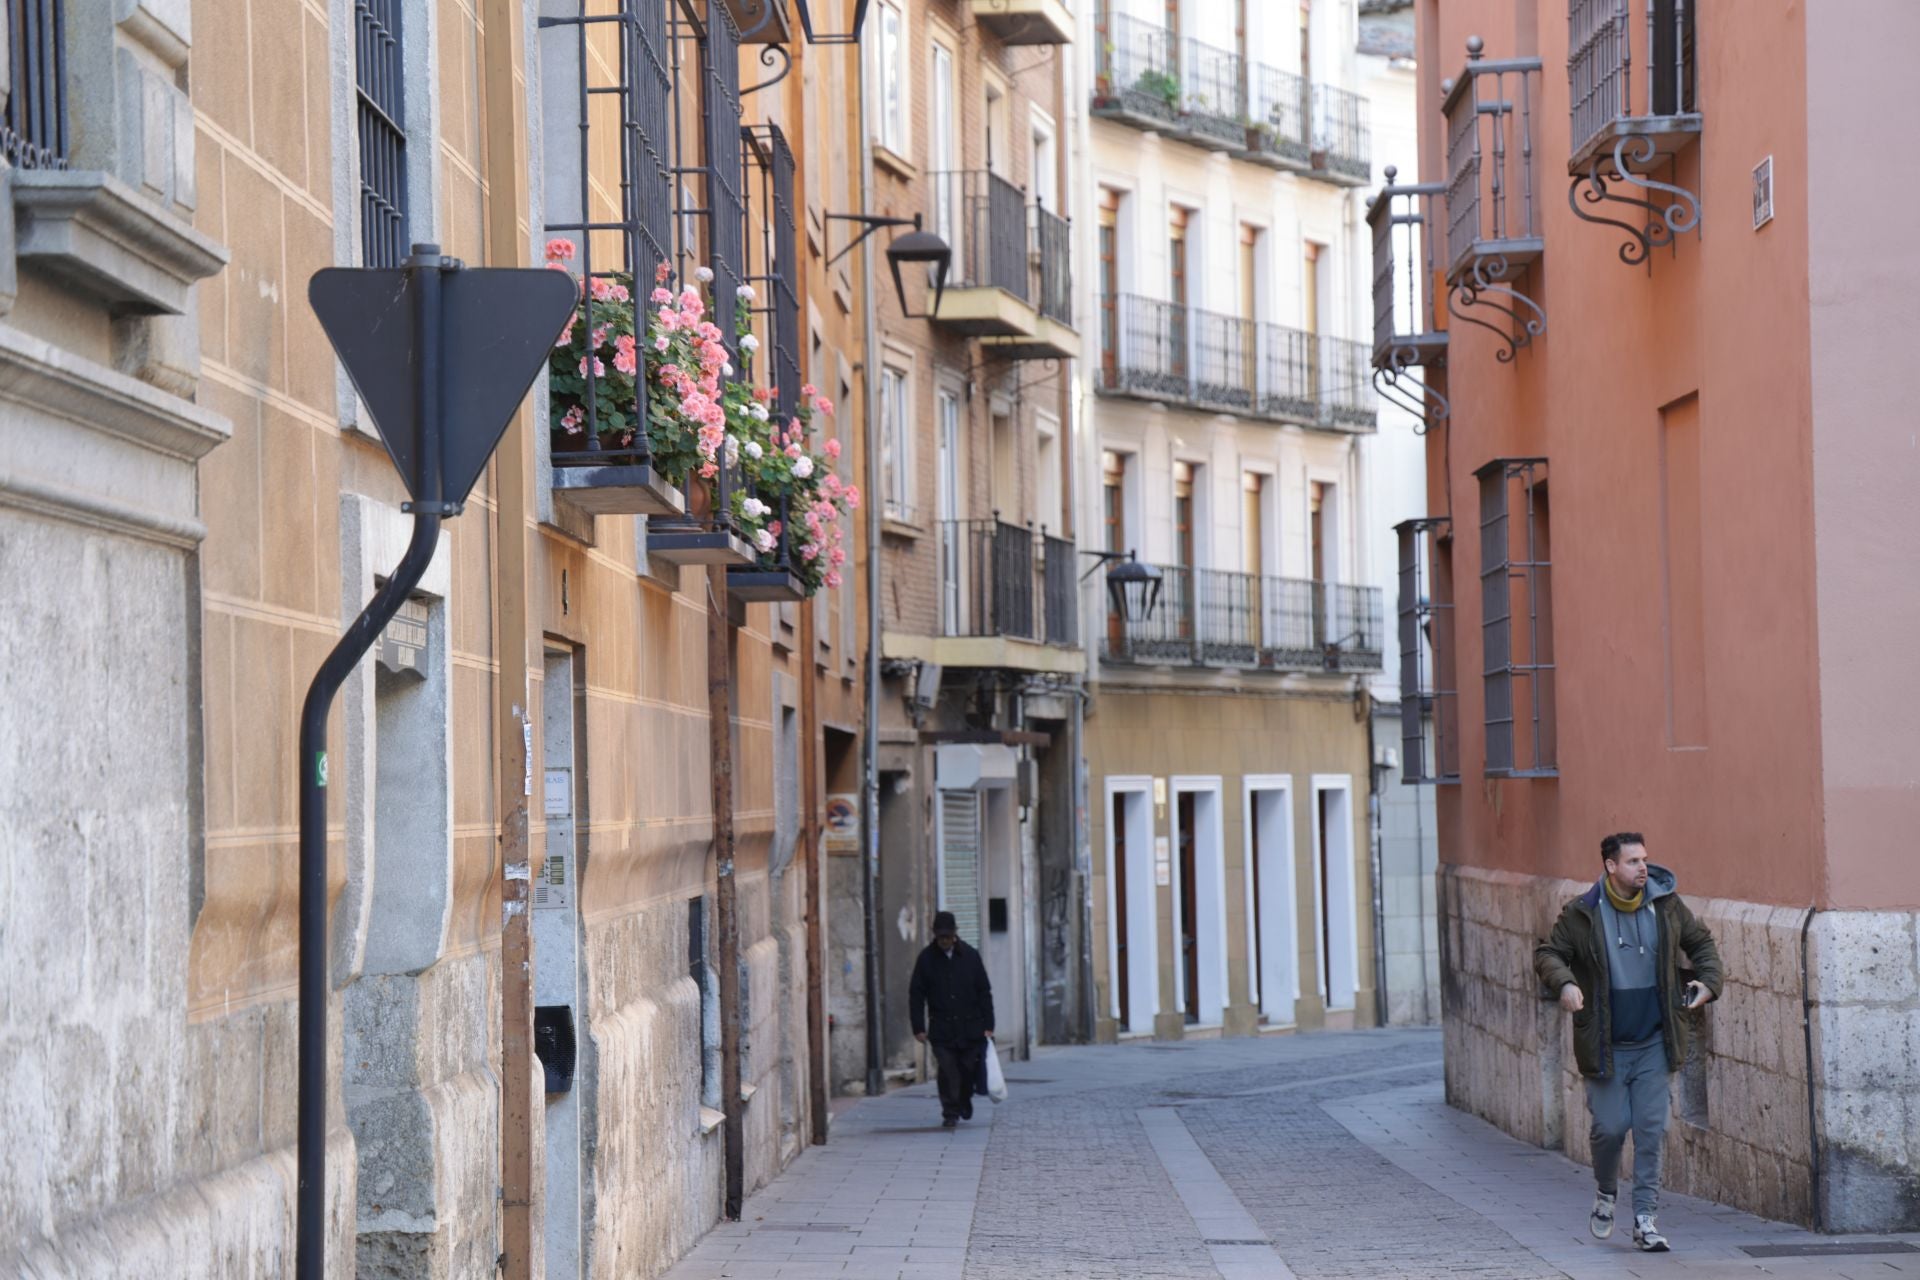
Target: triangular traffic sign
497,329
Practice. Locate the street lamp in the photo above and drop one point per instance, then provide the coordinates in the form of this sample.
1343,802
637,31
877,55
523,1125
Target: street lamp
917,246
1132,588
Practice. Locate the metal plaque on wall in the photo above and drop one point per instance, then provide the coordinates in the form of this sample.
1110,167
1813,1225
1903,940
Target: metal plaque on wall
405,639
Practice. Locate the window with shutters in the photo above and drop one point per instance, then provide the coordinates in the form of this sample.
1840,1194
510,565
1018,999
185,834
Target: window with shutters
1429,697
960,861
1516,618
383,141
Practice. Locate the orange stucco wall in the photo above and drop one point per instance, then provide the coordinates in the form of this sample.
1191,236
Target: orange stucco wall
1691,713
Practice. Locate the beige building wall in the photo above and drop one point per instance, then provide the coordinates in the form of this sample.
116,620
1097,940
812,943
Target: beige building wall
163,1068
1144,744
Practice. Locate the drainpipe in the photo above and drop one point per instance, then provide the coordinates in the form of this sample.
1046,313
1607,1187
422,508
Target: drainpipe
1083,860
1816,1195
870,750
1373,852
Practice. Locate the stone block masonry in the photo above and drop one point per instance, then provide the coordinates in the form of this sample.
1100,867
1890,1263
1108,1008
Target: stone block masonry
1741,1109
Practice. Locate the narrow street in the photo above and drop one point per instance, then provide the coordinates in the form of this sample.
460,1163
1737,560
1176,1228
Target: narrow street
1291,1156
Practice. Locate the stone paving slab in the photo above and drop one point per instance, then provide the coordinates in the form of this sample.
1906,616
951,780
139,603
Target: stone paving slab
1277,1158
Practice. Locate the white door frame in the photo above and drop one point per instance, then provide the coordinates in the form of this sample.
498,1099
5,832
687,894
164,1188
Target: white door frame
1341,898
1275,975
1209,873
1143,914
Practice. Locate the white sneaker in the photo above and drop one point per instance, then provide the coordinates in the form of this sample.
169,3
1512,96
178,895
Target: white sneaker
1600,1221
1648,1236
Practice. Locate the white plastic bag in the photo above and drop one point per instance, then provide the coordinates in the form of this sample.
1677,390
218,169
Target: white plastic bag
996,1082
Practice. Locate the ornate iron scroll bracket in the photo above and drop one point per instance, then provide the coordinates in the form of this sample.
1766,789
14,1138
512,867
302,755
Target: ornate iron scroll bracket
1486,287
1662,219
1398,387
770,54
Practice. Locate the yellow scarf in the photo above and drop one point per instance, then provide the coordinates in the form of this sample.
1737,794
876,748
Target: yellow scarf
1625,906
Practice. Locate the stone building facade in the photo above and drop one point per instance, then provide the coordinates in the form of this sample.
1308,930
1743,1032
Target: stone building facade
1650,590
1229,418
193,504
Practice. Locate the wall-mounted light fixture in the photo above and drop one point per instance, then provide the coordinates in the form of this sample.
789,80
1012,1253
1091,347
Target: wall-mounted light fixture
917,246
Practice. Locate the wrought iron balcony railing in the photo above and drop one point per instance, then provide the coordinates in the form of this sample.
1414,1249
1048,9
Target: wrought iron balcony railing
1212,96
984,218
1494,224
1163,351
1620,139
1278,112
1051,256
1220,618
1406,331
33,128
1342,141
1000,579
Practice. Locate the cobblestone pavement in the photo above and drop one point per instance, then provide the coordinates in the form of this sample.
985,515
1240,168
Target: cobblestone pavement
1287,1156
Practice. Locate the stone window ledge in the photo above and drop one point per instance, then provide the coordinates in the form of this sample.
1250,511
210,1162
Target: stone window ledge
90,444
104,237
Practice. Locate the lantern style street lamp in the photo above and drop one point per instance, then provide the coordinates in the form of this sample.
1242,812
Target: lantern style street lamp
916,247
1133,588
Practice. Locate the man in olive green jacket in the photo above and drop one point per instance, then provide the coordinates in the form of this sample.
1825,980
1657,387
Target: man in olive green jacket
1613,962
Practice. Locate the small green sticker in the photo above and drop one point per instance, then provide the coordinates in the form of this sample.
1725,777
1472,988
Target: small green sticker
320,769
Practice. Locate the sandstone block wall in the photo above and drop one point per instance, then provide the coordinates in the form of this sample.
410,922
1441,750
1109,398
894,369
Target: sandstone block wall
1741,1117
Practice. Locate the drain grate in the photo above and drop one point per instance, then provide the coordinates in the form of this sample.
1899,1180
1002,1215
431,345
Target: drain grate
1857,1248
801,1226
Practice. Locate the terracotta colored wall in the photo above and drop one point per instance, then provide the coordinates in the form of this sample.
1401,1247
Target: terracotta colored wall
1720,316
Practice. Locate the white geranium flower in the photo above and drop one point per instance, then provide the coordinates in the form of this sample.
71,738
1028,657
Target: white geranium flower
754,508
726,370
763,540
744,293
759,411
754,450
703,274
802,467
749,343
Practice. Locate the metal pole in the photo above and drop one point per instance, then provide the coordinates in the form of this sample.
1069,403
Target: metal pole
726,888
502,55
311,763
870,746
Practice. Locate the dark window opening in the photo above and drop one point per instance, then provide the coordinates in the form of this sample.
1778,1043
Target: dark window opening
1429,706
379,78
33,134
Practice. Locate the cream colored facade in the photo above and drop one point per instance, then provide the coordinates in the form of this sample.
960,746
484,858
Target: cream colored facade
194,527
1226,410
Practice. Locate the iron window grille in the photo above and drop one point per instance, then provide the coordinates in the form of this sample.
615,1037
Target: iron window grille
379,78
622,59
988,216
1516,618
1429,700
33,134
772,269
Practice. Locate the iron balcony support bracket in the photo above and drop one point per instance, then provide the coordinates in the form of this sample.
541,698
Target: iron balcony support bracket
1398,387
1671,212
1485,286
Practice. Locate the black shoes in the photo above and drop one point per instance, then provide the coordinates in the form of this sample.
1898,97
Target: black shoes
949,1122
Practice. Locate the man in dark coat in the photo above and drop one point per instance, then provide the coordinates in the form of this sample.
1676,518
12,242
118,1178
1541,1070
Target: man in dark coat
951,1003
1613,962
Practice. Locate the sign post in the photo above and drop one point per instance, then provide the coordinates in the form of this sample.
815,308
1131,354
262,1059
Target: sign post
442,357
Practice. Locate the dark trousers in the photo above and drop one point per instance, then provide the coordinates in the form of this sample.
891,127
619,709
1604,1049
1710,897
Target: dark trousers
959,1066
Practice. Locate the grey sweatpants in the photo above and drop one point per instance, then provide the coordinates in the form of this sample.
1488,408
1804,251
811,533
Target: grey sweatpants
1633,1100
